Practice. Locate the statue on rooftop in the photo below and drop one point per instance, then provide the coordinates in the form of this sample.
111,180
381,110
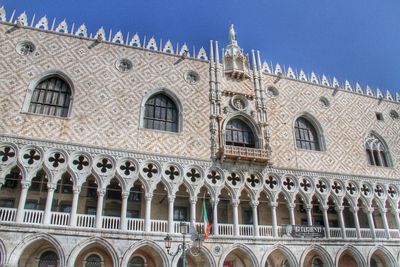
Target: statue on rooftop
232,34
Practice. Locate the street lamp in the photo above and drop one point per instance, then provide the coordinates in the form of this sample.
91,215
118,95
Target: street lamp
197,242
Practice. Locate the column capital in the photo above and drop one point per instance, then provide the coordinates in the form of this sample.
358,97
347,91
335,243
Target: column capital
368,209
101,192
309,206
254,203
324,207
193,200
291,206
26,184
383,210
124,195
51,186
354,209
273,204
339,208
171,198
76,189
148,196
235,202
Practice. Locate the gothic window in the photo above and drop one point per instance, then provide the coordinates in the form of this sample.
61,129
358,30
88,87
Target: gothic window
238,133
48,259
317,262
12,179
136,262
161,113
64,186
180,214
52,96
377,152
93,260
306,135
39,182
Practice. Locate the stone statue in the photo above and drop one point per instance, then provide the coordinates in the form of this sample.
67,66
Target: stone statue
232,34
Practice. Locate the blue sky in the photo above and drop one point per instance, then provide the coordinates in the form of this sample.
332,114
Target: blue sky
358,40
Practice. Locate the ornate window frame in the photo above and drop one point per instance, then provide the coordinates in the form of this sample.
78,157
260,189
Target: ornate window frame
248,120
39,79
173,97
372,138
318,129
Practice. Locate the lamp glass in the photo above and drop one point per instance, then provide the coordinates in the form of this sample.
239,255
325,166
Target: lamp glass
167,241
183,228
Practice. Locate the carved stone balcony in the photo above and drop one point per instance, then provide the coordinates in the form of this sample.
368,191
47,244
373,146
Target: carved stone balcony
244,154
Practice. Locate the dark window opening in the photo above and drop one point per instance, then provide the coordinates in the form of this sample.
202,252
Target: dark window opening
238,133
306,135
161,113
51,96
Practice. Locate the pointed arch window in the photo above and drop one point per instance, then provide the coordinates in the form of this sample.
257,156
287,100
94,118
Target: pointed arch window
51,96
238,133
306,135
47,259
161,113
377,151
137,262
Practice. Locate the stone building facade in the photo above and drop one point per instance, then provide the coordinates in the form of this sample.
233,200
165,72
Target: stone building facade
108,142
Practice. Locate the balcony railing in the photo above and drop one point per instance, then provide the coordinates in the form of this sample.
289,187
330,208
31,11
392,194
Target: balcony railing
135,224
8,214
35,217
225,229
244,153
159,226
59,218
110,222
84,220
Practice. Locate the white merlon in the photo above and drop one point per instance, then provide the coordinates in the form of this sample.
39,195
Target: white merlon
82,31
2,14
118,38
62,27
43,24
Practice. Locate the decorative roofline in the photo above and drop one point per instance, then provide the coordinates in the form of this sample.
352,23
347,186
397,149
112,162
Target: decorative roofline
323,80
183,51
100,35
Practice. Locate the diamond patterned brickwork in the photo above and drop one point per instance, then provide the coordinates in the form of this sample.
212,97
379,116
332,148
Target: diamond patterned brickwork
345,123
106,103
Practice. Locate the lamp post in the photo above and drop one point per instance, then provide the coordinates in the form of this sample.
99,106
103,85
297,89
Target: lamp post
184,247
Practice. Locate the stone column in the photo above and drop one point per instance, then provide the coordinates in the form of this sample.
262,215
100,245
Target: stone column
124,206
22,199
371,224
215,217
324,209
254,205
309,215
49,201
193,202
291,208
385,222
273,206
235,205
354,210
99,211
171,200
339,211
147,214
72,219
395,213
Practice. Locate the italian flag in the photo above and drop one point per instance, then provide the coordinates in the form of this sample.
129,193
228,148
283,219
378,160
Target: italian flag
206,223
